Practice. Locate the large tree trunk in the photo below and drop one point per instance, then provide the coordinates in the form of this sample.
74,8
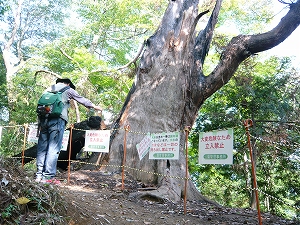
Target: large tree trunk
170,88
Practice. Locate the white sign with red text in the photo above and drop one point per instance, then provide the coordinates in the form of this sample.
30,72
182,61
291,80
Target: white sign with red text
216,147
144,146
32,134
65,140
97,140
164,146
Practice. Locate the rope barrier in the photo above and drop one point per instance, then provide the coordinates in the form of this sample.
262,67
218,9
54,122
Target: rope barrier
276,143
121,128
12,126
123,167
293,145
159,174
275,198
108,165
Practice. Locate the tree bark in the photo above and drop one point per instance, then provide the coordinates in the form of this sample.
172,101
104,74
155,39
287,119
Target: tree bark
170,88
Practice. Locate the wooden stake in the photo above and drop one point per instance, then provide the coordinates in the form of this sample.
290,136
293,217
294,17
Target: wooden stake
127,127
70,150
187,130
24,143
248,123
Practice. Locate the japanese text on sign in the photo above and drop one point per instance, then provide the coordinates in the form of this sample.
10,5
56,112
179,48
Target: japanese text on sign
144,146
215,141
216,147
65,140
164,146
32,134
97,140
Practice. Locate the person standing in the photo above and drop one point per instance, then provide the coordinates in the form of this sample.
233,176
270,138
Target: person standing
52,130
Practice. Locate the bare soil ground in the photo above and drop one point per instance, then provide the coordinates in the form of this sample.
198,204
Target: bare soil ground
93,198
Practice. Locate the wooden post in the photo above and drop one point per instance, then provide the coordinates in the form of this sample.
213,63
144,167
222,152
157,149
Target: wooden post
248,123
70,150
187,130
127,127
24,143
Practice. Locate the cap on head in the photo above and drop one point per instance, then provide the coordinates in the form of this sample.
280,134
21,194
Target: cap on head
66,81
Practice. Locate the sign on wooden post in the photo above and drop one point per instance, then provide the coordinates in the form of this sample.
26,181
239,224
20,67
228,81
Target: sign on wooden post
216,147
97,140
164,146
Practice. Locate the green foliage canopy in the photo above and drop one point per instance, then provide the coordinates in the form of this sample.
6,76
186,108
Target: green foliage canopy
261,91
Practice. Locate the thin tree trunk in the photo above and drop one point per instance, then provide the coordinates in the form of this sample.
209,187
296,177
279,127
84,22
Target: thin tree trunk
6,53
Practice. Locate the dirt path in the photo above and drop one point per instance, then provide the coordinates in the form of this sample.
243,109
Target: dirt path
94,198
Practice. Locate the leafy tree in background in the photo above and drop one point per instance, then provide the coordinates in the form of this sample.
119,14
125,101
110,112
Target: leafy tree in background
27,25
114,29
69,53
260,90
108,35
92,63
3,7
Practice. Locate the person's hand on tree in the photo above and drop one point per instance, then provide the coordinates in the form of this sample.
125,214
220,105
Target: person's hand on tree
98,108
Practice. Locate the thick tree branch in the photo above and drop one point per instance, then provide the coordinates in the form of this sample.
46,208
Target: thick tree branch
241,47
204,38
201,48
268,40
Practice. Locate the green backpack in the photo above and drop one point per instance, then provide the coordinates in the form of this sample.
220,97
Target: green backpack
50,103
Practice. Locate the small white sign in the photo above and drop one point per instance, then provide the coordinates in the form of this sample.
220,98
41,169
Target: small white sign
65,140
33,138
164,146
216,147
32,134
97,140
144,146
